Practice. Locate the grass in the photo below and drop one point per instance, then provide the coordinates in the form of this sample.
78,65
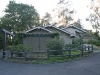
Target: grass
54,59
42,61
96,48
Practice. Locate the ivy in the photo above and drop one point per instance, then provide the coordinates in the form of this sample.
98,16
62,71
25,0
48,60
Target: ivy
55,34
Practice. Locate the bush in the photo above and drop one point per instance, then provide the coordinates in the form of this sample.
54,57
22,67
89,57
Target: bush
19,48
18,38
76,43
55,44
95,42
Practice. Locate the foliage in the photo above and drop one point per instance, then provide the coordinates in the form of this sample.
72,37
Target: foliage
19,48
19,17
96,48
63,13
18,38
44,61
76,43
4,23
78,23
95,42
96,34
55,44
94,20
55,34
46,19
94,17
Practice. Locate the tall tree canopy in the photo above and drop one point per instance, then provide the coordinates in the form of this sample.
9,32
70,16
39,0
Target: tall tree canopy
94,17
19,17
78,23
46,19
63,12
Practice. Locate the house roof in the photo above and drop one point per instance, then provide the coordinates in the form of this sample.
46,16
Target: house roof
58,29
38,28
71,25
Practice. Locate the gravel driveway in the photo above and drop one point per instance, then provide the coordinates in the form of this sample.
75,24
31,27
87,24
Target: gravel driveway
87,66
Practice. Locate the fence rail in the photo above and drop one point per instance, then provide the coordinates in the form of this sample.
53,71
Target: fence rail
48,54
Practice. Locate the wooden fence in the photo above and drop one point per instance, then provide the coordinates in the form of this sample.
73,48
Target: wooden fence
48,54
70,51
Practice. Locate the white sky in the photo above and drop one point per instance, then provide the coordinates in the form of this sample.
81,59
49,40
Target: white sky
43,6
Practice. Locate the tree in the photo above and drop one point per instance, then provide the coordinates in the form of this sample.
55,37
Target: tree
94,17
78,23
94,20
4,23
46,19
63,13
19,17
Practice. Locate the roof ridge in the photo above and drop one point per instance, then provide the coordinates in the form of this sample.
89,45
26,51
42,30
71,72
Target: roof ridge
74,27
57,28
38,27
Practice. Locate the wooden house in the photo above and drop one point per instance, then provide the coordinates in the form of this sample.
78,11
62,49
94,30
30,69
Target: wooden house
66,35
37,38
75,30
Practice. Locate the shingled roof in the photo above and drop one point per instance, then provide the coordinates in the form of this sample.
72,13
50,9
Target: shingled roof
58,29
72,25
38,28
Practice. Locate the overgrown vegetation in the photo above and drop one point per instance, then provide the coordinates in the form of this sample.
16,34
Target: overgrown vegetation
94,42
77,43
19,48
44,61
55,44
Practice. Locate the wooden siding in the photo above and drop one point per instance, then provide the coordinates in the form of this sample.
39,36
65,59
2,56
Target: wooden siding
38,43
63,35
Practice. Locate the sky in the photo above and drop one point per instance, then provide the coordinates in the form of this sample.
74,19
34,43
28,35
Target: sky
44,6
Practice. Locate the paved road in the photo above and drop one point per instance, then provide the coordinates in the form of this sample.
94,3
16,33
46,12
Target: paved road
86,66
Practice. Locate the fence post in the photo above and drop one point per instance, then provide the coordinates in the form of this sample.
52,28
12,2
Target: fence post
82,51
69,52
48,54
25,55
11,54
88,49
92,48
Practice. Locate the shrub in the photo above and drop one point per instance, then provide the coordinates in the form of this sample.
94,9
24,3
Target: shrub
55,44
76,43
95,42
18,38
19,48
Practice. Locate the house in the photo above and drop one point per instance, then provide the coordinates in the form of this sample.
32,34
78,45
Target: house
74,30
66,35
37,38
